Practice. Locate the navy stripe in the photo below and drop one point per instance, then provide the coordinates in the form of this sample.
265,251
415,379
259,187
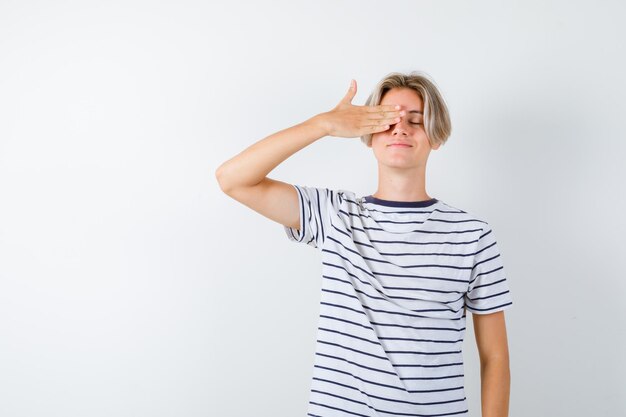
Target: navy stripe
389,296
386,287
435,232
387,398
401,388
374,200
407,253
378,274
490,308
320,222
302,215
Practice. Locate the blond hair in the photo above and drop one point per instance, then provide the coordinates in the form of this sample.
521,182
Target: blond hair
436,117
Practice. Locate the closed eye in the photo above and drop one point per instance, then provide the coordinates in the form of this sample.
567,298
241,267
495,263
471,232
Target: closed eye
415,123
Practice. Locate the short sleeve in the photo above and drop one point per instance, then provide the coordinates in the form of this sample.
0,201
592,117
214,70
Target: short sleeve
488,290
317,208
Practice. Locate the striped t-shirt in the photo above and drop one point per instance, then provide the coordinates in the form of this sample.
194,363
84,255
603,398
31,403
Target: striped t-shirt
397,278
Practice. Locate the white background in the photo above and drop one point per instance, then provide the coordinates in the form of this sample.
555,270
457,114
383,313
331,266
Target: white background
130,285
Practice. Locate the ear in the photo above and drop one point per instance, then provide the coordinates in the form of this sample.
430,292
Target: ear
435,147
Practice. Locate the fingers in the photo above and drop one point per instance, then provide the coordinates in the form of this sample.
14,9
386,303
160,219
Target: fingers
378,125
376,129
385,117
351,93
382,119
383,107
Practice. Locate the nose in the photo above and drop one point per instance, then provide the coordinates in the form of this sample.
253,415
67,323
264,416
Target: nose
399,128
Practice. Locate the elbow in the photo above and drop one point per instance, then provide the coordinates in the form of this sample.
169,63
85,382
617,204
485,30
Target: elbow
221,179
499,361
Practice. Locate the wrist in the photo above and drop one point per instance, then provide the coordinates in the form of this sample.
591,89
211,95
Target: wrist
319,123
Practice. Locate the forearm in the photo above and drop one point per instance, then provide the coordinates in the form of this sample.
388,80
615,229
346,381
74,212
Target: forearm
252,165
495,388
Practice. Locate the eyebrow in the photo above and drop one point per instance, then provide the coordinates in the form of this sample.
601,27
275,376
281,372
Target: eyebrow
416,111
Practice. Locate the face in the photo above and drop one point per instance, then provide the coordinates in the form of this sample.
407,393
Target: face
414,146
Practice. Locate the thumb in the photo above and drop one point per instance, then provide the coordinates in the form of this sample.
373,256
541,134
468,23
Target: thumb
351,92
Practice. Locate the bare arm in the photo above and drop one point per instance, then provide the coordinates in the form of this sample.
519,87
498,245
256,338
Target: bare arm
495,375
252,165
244,176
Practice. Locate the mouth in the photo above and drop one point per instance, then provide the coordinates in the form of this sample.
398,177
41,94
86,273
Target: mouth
400,145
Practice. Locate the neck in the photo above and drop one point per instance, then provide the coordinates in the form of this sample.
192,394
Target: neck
402,184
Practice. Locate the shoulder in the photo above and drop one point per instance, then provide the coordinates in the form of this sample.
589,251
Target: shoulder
463,218
347,196
329,197
335,196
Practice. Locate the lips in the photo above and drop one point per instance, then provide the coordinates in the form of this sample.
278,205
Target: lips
399,145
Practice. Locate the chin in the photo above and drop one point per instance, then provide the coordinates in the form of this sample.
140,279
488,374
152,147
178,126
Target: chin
406,164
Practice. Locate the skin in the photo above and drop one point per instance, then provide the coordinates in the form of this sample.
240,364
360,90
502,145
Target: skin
402,170
244,177
495,374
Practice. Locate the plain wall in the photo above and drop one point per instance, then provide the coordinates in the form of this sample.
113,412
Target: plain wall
130,285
